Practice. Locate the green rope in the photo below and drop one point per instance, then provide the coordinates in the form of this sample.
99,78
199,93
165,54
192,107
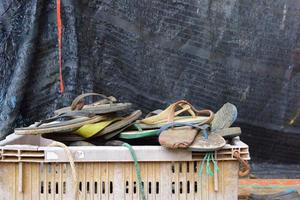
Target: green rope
202,165
208,170
207,158
216,167
137,169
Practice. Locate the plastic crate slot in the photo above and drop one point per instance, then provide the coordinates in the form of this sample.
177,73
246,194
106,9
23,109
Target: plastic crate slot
195,187
111,187
88,187
10,154
10,158
103,187
157,187
49,187
172,167
127,187
180,187
32,154
80,186
197,156
180,167
33,159
56,188
187,167
134,187
56,168
64,187
10,151
173,187
143,186
188,187
195,166
95,187
149,187
42,187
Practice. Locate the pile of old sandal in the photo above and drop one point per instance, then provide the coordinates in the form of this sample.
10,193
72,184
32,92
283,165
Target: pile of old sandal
181,126
80,122
106,122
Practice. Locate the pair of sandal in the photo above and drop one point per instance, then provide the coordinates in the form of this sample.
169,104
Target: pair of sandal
79,121
201,131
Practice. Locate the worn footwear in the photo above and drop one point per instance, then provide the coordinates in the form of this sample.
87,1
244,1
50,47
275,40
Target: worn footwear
178,135
174,112
81,143
90,130
228,132
138,134
113,128
68,125
206,141
63,137
225,117
106,105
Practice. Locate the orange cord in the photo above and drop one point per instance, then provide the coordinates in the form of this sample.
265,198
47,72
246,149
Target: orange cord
59,36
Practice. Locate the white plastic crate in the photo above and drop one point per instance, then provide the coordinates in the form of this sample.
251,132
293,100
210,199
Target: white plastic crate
39,172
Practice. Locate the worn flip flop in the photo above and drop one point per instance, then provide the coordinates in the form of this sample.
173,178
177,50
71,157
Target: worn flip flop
228,132
114,143
205,142
178,135
138,134
180,119
81,143
90,130
225,117
172,114
108,105
112,129
63,137
59,126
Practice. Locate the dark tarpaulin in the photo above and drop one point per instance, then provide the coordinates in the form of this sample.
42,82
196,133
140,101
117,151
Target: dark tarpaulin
153,53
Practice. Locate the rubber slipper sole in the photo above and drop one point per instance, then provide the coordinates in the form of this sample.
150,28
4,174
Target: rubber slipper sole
138,134
214,142
67,126
96,109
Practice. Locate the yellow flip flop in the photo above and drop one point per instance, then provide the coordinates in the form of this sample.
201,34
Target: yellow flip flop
90,130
